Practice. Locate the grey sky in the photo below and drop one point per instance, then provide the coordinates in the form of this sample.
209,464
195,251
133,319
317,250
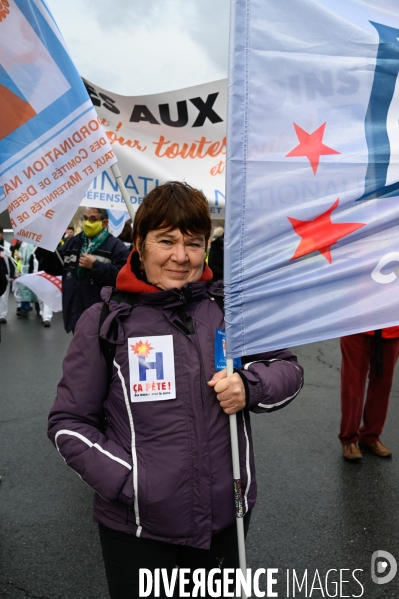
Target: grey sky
135,47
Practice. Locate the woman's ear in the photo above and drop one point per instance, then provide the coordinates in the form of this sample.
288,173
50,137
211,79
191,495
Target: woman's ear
140,248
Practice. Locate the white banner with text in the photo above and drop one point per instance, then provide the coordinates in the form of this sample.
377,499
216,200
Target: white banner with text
178,135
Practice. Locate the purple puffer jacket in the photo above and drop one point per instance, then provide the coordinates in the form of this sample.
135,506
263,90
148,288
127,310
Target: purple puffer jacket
162,470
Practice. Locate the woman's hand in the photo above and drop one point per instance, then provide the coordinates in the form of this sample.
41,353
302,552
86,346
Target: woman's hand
230,391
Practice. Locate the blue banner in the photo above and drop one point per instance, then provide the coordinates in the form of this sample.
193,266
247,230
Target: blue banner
52,143
312,191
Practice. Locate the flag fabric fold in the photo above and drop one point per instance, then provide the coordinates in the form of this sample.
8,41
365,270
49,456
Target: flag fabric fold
51,141
312,210
116,221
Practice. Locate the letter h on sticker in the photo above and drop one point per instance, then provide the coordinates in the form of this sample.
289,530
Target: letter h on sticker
145,366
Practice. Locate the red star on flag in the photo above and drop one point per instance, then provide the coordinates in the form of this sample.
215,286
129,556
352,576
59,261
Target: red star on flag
319,234
311,145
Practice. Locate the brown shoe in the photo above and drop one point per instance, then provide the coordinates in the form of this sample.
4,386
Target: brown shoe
351,452
378,448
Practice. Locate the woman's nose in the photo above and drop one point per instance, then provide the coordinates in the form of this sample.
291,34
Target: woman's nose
180,252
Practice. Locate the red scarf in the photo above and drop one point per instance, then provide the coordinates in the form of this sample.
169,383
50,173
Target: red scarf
128,281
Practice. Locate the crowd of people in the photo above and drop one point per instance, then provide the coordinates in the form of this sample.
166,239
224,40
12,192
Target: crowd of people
18,259
143,418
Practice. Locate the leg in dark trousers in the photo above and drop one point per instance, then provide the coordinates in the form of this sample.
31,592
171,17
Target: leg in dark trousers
377,399
356,353
223,552
125,554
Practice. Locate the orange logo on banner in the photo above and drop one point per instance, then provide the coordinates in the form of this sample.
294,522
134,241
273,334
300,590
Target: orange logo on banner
14,111
4,9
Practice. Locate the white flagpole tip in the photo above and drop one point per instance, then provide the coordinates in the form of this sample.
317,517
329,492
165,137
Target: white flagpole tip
118,178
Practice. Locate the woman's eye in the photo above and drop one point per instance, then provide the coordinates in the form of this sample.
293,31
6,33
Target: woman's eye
166,241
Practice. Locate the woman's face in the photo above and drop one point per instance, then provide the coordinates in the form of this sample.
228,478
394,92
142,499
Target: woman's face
171,259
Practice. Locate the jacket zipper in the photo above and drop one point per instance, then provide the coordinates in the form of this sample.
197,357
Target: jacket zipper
202,379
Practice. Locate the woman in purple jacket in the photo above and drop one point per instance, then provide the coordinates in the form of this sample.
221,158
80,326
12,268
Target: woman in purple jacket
161,463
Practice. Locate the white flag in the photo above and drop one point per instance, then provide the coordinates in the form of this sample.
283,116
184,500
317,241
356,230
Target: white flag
47,288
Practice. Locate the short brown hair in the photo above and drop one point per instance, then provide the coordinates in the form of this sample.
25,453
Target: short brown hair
174,205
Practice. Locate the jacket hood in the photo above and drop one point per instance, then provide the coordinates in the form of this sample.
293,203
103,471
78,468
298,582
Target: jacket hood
132,281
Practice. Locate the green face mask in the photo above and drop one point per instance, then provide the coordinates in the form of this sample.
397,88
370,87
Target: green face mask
92,229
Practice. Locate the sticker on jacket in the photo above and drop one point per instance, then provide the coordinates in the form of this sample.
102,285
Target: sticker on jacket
151,368
220,351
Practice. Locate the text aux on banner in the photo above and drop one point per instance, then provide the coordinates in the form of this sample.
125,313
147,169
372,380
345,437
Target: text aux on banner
51,141
178,135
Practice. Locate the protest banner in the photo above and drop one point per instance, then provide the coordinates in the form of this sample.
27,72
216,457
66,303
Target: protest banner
3,203
51,140
178,135
312,225
46,287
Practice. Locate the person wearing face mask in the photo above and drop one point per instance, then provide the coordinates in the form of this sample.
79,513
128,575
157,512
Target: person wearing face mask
87,262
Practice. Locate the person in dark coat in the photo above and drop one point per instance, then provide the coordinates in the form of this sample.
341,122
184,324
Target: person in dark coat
161,466
216,255
7,266
87,262
3,287
3,281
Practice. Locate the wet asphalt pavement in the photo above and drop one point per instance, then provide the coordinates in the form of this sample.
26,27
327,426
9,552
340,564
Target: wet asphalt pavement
315,512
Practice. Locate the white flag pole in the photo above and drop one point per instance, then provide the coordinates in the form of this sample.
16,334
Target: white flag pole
59,258
230,368
237,486
118,178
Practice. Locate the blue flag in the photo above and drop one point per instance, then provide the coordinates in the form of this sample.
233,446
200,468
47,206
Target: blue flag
312,194
51,141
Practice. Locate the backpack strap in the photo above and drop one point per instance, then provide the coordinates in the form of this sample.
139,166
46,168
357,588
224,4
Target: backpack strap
107,348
